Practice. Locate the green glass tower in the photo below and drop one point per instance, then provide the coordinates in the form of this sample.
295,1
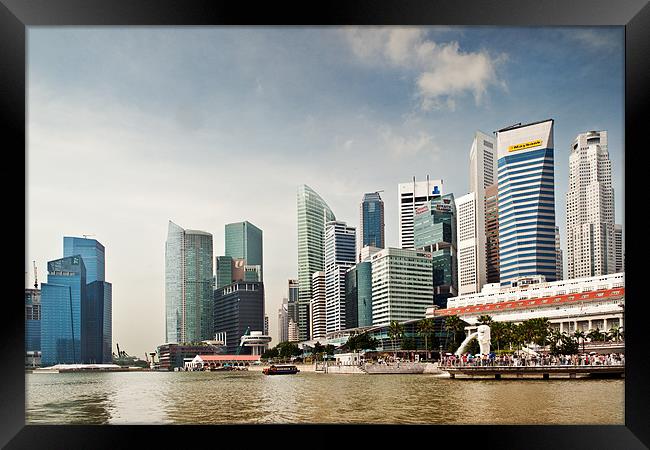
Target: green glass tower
244,241
188,285
313,212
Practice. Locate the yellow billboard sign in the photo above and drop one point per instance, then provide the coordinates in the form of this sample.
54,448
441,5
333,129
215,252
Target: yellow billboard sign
524,145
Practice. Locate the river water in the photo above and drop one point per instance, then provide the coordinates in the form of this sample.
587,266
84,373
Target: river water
308,397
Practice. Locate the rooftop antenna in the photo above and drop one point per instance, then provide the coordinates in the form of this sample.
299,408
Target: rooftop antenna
35,276
86,235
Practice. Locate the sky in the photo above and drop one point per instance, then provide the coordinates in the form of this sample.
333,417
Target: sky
130,127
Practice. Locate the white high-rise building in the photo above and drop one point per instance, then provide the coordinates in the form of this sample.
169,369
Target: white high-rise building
471,245
559,269
620,253
413,195
591,244
402,285
482,163
283,321
317,306
340,249
292,331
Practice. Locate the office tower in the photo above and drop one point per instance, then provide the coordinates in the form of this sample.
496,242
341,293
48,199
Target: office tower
293,331
559,272
471,254
238,307
402,286
188,285
32,320
92,252
620,253
62,298
358,295
371,222
591,246
292,306
412,196
283,322
340,247
526,201
224,269
318,306
96,317
492,234
434,230
367,252
313,213
266,325
244,241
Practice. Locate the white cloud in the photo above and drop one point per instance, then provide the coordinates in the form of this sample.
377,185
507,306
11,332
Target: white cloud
443,71
401,146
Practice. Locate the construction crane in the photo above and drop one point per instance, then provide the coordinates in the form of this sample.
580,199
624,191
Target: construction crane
241,345
35,276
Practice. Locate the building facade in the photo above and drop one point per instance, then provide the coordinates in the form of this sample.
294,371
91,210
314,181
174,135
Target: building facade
244,241
340,247
318,305
412,196
358,295
313,213
402,285
471,248
293,331
620,252
32,320
238,307
283,321
591,241
188,285
493,275
434,231
61,303
526,201
559,265
371,222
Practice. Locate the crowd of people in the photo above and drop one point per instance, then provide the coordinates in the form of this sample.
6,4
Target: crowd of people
540,359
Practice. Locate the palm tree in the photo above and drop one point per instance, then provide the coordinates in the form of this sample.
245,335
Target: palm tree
395,332
425,328
455,325
595,335
484,320
580,335
616,333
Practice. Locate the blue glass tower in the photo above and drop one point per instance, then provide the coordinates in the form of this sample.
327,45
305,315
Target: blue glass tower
61,304
526,201
244,241
92,253
371,220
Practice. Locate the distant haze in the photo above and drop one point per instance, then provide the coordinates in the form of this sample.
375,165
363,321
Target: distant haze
131,127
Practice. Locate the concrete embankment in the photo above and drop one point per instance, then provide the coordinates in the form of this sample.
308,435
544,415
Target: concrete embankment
301,367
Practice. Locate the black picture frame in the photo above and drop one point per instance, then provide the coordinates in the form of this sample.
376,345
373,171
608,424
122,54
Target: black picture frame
634,15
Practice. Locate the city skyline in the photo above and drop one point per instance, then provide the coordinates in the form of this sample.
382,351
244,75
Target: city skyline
354,111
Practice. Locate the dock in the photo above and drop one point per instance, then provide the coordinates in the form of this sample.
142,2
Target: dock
543,372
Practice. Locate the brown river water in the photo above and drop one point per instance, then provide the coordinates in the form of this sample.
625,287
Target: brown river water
308,397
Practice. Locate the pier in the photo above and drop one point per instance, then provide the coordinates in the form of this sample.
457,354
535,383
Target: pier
538,371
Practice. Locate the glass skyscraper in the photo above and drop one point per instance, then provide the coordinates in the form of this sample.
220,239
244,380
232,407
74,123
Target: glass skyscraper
313,213
92,252
188,285
237,307
244,241
340,246
358,296
61,303
526,201
434,230
371,222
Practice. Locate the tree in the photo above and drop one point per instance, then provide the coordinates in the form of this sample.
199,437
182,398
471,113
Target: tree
454,325
566,345
318,349
580,336
361,342
271,353
539,330
395,332
498,334
616,333
484,320
425,328
288,349
329,349
595,335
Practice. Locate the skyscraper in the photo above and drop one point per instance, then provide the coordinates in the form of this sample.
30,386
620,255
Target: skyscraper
371,222
591,244
61,303
188,285
402,285
318,306
340,246
412,196
244,241
471,248
92,252
559,268
313,213
620,253
292,302
283,322
238,307
482,163
358,295
493,274
526,201
32,320
434,230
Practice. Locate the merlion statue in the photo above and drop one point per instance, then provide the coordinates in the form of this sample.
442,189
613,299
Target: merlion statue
483,338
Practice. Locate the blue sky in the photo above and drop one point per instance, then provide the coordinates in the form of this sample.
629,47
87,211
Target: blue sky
132,127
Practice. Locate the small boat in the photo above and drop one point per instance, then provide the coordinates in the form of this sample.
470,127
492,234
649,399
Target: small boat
280,369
